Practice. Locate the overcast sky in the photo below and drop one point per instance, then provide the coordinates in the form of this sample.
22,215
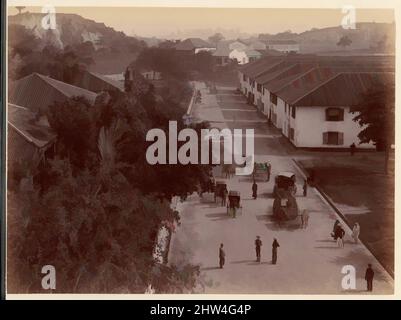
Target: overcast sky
165,22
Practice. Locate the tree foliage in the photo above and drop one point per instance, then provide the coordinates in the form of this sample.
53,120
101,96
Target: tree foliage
376,114
94,210
344,41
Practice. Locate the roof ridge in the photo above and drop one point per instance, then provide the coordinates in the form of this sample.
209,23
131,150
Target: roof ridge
314,89
300,76
44,78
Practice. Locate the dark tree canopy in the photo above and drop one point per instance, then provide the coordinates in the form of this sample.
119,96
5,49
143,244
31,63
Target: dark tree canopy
344,41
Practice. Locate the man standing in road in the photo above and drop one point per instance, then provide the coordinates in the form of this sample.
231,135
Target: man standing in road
305,188
369,274
275,245
222,256
258,245
254,190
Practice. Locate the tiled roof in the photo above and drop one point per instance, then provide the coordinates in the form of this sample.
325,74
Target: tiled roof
305,84
353,83
96,82
223,50
38,92
193,43
24,122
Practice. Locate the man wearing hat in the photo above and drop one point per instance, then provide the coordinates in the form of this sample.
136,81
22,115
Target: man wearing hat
258,244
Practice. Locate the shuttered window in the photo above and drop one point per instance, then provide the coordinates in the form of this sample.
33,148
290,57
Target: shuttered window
333,138
293,112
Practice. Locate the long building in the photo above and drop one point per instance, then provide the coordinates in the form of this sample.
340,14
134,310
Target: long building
309,97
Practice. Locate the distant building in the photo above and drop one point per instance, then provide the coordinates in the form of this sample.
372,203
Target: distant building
152,75
246,56
238,45
37,92
257,45
239,55
253,55
222,54
286,46
192,46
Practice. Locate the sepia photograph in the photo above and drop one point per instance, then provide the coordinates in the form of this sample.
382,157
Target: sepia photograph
200,150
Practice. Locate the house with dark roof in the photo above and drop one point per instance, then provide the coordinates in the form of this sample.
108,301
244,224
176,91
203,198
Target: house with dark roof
317,114
222,54
282,45
309,97
37,92
193,45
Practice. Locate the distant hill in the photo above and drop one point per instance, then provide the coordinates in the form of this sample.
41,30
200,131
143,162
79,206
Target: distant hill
113,49
366,37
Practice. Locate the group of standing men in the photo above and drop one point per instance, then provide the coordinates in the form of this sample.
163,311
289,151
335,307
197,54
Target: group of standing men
258,247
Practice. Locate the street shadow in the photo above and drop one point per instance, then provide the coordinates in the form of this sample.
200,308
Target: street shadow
326,241
329,247
218,216
248,199
243,261
262,217
266,195
259,263
274,225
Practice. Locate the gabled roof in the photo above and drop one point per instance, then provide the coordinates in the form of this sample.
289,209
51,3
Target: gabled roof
353,83
275,72
299,87
252,53
260,66
37,92
67,89
223,50
193,43
25,123
96,82
288,75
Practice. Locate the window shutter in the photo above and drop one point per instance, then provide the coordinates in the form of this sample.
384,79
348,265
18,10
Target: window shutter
341,114
340,138
325,137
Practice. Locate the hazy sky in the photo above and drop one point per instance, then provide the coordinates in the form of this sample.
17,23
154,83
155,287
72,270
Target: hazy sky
161,22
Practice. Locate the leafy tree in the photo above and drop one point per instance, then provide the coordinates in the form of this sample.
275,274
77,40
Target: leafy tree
344,41
376,114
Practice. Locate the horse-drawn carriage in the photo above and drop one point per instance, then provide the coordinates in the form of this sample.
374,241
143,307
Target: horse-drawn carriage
285,207
234,204
283,183
261,169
